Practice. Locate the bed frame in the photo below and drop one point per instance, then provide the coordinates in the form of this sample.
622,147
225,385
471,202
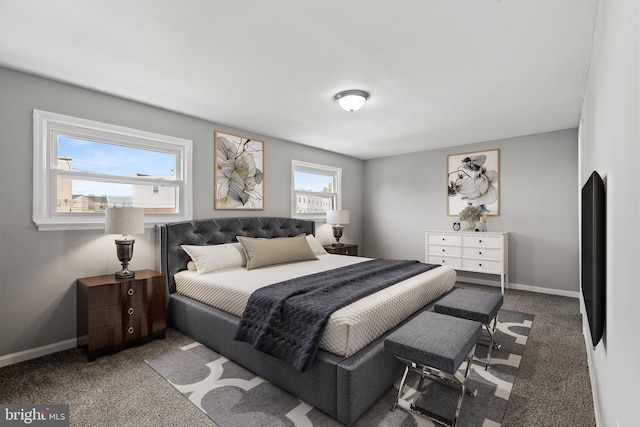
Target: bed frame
342,388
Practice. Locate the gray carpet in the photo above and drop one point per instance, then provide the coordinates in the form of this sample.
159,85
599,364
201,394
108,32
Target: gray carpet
552,387
233,396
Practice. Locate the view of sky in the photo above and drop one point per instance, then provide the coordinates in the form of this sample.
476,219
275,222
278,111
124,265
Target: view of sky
111,159
98,157
312,181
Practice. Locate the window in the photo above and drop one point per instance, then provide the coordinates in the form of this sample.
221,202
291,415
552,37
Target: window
82,167
315,190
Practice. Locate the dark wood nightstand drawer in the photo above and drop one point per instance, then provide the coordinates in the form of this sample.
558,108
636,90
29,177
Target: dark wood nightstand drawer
346,249
104,316
105,337
139,289
134,329
104,295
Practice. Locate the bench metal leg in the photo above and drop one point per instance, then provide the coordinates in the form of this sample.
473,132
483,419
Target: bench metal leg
463,386
404,378
457,379
491,345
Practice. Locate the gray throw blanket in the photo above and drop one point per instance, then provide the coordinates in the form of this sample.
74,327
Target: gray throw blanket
287,319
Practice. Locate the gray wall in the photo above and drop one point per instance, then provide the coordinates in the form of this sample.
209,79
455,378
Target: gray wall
610,145
538,206
38,269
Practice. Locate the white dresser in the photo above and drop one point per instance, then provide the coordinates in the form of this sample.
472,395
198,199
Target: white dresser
480,252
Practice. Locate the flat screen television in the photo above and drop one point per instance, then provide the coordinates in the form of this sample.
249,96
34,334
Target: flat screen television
594,265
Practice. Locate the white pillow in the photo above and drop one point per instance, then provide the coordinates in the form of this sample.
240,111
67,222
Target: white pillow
315,245
215,257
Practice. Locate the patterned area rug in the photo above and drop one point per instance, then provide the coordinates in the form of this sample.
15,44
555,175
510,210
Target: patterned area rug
233,396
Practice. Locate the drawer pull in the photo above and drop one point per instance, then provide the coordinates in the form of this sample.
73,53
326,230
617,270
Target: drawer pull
479,240
130,291
130,330
479,252
130,311
443,261
443,239
480,264
443,250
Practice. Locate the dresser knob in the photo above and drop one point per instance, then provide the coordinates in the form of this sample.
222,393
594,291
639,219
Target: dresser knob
480,253
479,264
130,291
130,330
480,240
443,239
443,261
130,311
443,250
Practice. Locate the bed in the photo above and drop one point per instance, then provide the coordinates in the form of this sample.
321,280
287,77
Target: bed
343,385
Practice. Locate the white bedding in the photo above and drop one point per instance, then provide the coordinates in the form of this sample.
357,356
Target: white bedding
349,329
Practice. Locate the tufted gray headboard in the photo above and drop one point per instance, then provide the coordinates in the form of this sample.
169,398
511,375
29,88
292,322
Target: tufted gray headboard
170,258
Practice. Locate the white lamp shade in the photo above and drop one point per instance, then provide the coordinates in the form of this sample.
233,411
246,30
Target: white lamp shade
338,217
124,221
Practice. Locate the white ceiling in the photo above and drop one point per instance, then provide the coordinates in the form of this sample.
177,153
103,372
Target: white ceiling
440,72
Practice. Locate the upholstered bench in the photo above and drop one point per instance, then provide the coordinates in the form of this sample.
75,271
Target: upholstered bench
435,345
481,307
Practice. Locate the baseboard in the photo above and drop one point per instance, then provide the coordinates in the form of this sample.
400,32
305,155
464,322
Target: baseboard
592,378
21,356
529,288
594,383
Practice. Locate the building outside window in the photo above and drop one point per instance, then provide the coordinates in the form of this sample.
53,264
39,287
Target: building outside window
315,189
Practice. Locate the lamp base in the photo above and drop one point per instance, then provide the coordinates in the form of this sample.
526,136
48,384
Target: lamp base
337,244
337,234
124,249
125,274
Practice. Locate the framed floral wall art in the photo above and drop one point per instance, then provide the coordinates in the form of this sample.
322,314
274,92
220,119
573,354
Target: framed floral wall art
473,179
239,172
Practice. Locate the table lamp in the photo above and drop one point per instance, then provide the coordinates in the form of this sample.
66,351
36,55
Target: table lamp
124,221
337,218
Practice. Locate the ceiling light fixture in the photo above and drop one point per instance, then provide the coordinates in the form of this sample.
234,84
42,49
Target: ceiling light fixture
352,100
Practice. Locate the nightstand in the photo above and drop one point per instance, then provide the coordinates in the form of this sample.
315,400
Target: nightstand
115,313
346,249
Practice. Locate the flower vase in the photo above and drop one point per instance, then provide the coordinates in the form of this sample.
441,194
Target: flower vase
471,225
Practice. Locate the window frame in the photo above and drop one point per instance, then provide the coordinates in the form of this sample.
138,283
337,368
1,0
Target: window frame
47,126
315,168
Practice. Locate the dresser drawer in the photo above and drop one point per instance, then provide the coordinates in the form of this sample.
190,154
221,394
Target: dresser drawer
104,316
138,289
481,265
100,296
445,250
444,239
443,260
134,328
135,309
106,336
482,253
482,240
345,249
